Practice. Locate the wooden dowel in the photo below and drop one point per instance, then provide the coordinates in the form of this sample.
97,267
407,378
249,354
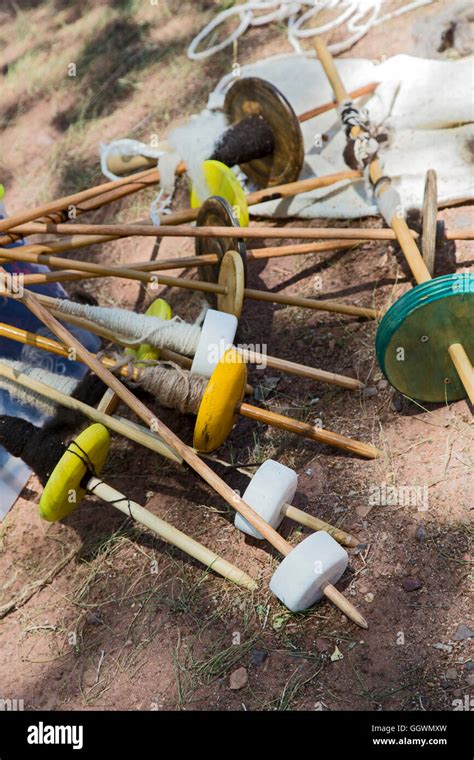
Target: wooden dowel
356,235
291,189
257,233
123,427
170,534
300,370
464,368
310,303
359,92
344,604
306,430
299,516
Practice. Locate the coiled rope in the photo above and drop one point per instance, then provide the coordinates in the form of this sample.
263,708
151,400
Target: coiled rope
358,15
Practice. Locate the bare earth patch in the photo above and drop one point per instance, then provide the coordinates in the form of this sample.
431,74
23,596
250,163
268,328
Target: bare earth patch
118,620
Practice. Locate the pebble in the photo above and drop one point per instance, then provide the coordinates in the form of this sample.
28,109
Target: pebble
397,402
94,619
238,679
451,674
412,584
364,510
258,657
382,384
469,665
369,392
420,533
443,647
369,598
322,645
462,633
470,679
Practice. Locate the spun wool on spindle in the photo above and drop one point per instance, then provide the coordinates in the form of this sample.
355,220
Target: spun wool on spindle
133,329
174,387
23,395
42,448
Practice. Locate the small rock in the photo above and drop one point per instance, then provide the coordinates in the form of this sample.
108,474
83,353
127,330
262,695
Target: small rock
462,633
397,402
370,391
469,665
258,657
337,654
382,384
369,598
364,510
420,533
322,645
451,674
364,589
94,619
411,584
443,647
238,679
470,679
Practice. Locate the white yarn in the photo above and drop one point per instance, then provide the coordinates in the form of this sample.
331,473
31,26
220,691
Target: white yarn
358,15
194,146
133,329
23,395
167,164
389,203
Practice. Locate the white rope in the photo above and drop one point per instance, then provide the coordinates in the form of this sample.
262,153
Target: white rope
127,147
358,15
47,406
133,329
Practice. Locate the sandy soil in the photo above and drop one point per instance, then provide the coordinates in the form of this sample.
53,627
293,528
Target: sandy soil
128,623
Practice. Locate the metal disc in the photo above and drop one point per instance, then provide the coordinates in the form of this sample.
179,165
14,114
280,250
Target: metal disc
216,211
251,96
414,336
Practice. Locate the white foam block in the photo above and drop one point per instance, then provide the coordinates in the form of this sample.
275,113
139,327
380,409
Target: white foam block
316,560
217,336
271,487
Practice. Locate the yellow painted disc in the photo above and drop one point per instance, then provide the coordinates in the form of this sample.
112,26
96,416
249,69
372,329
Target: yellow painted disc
222,181
161,309
231,277
65,488
218,410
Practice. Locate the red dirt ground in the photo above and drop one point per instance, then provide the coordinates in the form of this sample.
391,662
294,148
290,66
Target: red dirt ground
129,623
